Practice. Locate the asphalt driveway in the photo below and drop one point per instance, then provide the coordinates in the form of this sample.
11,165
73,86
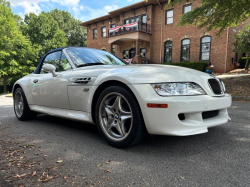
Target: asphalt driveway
50,151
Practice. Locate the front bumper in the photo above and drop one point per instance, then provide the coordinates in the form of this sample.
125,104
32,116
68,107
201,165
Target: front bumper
165,121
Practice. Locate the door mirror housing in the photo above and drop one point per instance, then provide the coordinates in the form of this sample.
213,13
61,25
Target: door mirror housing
50,68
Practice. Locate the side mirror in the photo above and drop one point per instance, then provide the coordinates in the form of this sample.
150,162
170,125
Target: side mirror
50,68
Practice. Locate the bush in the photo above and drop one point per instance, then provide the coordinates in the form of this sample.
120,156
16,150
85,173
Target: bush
242,62
200,66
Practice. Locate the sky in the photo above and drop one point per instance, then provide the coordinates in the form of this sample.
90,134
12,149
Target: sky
83,10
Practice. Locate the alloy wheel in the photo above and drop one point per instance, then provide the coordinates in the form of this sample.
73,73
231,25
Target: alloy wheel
19,104
116,116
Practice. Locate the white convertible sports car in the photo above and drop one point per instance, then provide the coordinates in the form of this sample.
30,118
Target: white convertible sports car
124,101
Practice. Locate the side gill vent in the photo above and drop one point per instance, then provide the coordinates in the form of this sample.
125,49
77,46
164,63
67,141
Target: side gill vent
82,80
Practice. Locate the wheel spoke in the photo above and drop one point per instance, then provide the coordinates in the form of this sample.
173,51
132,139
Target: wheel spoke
117,103
124,118
108,110
125,113
111,125
119,129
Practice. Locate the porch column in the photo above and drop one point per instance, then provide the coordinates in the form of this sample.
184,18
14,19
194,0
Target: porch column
110,50
137,53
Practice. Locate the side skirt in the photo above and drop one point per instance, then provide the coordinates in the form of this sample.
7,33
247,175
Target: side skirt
63,113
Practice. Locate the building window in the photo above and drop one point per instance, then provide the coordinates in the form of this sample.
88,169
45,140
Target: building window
112,33
143,52
144,19
103,31
95,33
125,54
205,48
113,51
134,19
168,51
185,50
169,16
187,8
132,53
126,21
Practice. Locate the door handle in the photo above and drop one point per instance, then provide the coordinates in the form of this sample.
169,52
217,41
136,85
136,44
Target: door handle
35,80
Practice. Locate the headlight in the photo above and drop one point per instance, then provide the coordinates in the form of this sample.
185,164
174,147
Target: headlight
169,89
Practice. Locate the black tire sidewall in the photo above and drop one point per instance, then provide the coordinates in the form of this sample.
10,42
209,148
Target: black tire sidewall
27,113
137,126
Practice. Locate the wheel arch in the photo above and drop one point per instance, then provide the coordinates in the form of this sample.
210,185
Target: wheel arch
103,86
15,87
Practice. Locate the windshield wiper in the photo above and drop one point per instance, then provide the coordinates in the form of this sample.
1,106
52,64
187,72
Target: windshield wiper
90,64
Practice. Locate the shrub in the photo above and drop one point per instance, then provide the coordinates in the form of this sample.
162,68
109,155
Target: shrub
242,62
200,66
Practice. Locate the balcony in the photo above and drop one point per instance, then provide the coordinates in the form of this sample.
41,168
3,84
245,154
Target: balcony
129,28
128,32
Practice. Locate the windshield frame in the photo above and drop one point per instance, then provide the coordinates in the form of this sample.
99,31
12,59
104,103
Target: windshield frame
72,59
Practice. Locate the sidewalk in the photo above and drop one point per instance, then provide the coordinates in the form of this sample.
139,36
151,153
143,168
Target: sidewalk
231,76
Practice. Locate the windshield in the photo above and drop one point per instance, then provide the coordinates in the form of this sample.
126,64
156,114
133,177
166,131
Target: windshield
86,56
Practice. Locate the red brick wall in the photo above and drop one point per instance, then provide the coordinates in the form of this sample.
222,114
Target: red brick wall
177,33
161,33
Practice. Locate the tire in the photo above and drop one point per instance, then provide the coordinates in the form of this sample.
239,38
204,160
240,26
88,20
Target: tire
21,106
119,118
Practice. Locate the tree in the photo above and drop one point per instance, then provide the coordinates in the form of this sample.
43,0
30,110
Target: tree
17,55
243,43
76,34
216,14
43,31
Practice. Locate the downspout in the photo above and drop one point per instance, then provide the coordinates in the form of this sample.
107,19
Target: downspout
159,4
226,50
161,29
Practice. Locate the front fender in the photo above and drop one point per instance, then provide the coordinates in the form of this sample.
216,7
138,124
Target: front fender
25,84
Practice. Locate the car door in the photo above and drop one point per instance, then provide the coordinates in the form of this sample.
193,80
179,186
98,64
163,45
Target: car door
51,91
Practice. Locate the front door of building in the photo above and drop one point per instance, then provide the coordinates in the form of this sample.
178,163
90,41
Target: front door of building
132,53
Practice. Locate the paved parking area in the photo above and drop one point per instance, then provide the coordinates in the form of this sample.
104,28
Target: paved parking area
49,151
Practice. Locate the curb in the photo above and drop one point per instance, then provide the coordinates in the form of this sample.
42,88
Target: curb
241,98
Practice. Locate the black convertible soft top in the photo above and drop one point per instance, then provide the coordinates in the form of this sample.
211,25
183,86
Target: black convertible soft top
38,69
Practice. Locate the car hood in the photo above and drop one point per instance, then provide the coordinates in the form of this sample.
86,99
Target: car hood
141,74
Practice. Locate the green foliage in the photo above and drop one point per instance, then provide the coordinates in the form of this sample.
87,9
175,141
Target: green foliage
53,29
43,31
76,34
201,66
17,55
242,62
24,42
214,14
243,43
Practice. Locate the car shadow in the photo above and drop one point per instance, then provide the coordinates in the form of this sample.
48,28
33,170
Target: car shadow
184,146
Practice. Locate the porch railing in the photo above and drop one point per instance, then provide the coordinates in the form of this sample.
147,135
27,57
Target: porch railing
128,28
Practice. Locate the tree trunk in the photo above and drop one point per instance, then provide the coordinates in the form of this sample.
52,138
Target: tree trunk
247,62
4,84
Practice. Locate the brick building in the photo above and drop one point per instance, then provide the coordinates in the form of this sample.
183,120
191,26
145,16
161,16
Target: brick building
147,32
